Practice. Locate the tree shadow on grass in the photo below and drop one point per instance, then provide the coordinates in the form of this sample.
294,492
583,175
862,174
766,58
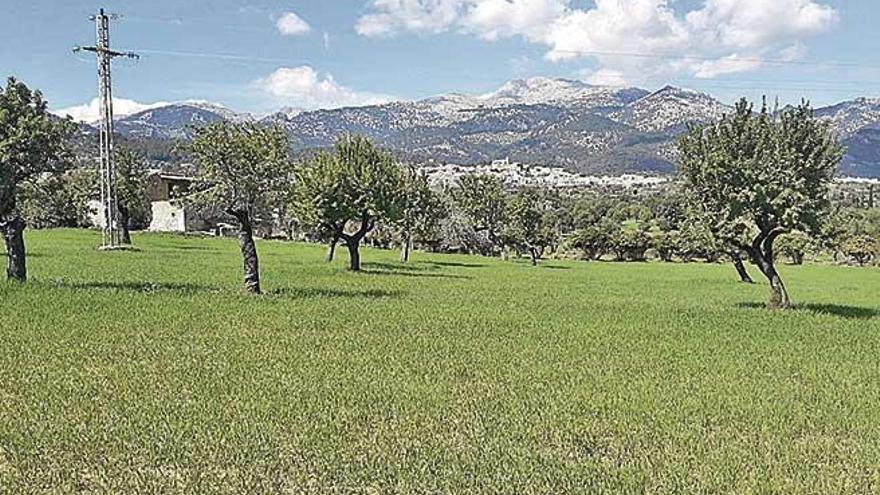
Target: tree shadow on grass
455,264
554,267
191,248
379,265
849,312
314,292
403,273
141,287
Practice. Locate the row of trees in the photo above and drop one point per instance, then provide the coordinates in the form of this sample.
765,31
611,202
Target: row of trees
342,195
754,185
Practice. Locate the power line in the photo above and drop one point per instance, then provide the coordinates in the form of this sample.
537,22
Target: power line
216,56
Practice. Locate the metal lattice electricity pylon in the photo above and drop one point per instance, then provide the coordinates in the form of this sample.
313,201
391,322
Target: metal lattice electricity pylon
109,203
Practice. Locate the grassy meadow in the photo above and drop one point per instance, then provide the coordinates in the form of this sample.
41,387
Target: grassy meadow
151,372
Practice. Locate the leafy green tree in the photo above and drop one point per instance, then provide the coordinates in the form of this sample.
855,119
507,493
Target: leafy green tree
593,240
757,176
666,243
482,199
421,210
794,246
33,145
356,185
530,224
861,248
631,241
243,169
698,241
58,200
131,188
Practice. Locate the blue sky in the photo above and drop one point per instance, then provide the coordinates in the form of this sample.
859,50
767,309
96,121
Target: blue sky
266,54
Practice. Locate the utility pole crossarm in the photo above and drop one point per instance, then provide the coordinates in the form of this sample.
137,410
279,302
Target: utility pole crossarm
109,53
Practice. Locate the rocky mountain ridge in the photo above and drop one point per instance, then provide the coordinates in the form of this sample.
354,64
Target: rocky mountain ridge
540,121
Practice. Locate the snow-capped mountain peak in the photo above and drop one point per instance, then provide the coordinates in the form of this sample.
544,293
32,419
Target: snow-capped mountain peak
539,121
549,91
670,107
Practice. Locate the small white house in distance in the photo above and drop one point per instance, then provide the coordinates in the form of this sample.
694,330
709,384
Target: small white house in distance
169,214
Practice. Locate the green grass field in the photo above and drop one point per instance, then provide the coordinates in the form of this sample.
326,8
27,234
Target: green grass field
151,372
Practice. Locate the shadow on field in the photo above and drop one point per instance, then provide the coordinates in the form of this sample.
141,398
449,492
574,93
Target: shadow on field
416,273
850,312
554,267
395,266
456,264
142,287
313,292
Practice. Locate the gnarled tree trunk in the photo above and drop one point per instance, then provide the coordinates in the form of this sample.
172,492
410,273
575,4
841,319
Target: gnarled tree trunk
13,235
407,245
124,217
533,253
353,241
761,252
248,252
331,250
744,276
354,255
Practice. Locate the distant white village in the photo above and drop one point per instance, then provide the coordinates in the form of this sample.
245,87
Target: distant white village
170,214
518,174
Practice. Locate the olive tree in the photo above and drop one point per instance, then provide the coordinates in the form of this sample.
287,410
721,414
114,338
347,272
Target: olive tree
755,176
131,188
421,209
242,170
346,192
482,199
33,145
530,225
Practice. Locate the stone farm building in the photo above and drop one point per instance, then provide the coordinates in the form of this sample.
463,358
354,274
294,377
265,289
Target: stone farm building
169,213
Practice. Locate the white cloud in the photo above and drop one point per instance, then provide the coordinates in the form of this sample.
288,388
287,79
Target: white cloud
305,88
495,19
420,16
727,65
290,24
91,112
605,77
630,39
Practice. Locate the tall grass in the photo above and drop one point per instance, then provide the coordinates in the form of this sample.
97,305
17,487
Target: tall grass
151,372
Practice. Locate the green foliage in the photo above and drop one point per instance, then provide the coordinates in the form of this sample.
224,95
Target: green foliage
530,222
667,243
755,173
33,142
630,241
421,208
696,241
244,169
794,246
755,176
355,183
58,200
132,170
861,248
482,199
593,241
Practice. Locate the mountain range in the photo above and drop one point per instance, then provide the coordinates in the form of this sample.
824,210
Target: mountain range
542,121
